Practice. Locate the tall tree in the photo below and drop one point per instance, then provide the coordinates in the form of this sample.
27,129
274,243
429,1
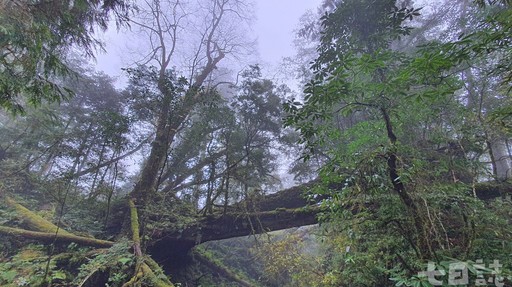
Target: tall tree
77,141
36,36
370,107
464,30
167,23
200,34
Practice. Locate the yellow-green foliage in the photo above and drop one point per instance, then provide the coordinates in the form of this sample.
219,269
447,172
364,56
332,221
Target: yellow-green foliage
286,263
28,268
214,259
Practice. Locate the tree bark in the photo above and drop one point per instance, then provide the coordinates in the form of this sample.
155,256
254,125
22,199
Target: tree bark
398,186
501,159
176,244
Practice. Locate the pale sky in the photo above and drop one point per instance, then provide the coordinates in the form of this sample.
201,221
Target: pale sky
275,22
275,25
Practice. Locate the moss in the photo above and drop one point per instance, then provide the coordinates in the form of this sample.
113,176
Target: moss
29,254
33,220
154,279
147,272
281,210
52,237
134,222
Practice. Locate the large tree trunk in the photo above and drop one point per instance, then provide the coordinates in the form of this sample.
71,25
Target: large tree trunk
147,183
500,159
169,123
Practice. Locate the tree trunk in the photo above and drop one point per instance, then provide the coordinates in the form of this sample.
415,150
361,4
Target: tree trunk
147,183
501,159
423,245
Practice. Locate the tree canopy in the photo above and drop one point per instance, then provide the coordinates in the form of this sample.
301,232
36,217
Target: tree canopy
402,126
36,35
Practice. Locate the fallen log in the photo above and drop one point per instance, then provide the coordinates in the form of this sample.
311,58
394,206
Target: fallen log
176,244
488,190
48,237
33,220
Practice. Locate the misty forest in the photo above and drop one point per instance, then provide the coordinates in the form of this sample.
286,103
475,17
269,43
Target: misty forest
379,155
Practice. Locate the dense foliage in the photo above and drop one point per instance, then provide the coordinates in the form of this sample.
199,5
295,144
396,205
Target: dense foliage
404,141
35,37
404,123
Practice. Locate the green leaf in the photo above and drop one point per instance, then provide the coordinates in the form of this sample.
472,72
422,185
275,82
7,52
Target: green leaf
8,276
59,275
124,260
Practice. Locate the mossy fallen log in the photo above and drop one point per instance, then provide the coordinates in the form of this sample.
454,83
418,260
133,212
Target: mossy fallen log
176,244
47,232
48,237
33,220
134,224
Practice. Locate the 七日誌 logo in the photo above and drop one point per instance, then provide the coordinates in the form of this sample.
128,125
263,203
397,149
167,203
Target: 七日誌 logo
459,273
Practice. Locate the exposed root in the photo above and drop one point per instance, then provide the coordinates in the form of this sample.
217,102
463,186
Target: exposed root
142,269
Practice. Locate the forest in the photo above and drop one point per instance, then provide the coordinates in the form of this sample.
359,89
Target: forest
384,159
